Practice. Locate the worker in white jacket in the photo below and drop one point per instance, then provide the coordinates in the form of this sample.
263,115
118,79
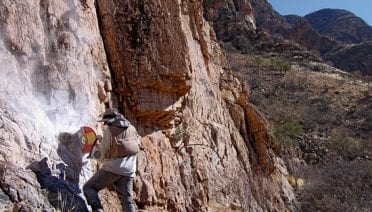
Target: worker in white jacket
118,153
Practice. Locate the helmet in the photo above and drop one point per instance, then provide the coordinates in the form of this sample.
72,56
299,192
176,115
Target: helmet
109,115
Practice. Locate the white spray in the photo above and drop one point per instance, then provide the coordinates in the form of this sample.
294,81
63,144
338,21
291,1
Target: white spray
52,92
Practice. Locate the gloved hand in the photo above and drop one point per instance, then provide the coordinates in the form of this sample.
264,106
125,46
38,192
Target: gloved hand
97,154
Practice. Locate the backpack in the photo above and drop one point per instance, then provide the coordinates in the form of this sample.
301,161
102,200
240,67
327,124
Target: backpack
125,144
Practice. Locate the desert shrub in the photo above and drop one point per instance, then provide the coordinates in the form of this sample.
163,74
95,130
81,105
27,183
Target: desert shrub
319,115
258,61
344,146
258,99
288,133
243,44
228,47
283,109
369,120
285,67
237,66
181,133
280,64
318,67
293,80
254,83
337,186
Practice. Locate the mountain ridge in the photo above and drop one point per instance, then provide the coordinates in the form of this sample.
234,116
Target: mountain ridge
337,29
340,25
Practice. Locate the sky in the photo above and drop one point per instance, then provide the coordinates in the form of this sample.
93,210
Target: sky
361,8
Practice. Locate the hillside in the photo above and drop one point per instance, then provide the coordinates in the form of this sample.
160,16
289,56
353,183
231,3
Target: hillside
323,118
303,33
321,115
354,58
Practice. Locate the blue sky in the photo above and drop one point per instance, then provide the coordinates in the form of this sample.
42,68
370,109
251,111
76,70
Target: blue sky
361,8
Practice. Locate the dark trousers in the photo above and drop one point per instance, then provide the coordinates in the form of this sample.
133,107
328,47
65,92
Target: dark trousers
101,179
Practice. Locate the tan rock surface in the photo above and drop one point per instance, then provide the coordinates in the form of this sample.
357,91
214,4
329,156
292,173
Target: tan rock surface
205,147
202,150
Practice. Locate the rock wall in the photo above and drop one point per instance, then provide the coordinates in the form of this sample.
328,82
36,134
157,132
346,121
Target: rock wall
52,73
205,147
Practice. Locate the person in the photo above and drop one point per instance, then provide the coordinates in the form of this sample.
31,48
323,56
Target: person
118,153
61,193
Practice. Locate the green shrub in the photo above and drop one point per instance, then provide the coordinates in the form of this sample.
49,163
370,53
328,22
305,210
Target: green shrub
258,61
181,133
286,67
280,64
288,133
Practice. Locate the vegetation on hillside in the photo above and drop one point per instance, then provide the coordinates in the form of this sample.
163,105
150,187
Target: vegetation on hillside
321,116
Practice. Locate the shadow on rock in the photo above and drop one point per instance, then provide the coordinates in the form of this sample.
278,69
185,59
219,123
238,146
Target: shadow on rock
61,194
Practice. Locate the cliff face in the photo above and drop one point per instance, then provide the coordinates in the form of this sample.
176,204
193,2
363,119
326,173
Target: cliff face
205,147
231,19
267,18
52,68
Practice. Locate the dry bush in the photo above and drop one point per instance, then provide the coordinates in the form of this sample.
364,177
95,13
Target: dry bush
369,120
295,80
280,64
319,117
337,186
343,146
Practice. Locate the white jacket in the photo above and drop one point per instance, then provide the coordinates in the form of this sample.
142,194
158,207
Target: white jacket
125,166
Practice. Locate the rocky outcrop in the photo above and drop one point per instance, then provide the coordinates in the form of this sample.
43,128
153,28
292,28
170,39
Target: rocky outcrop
303,33
235,25
267,18
231,19
340,25
205,147
290,30
20,190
